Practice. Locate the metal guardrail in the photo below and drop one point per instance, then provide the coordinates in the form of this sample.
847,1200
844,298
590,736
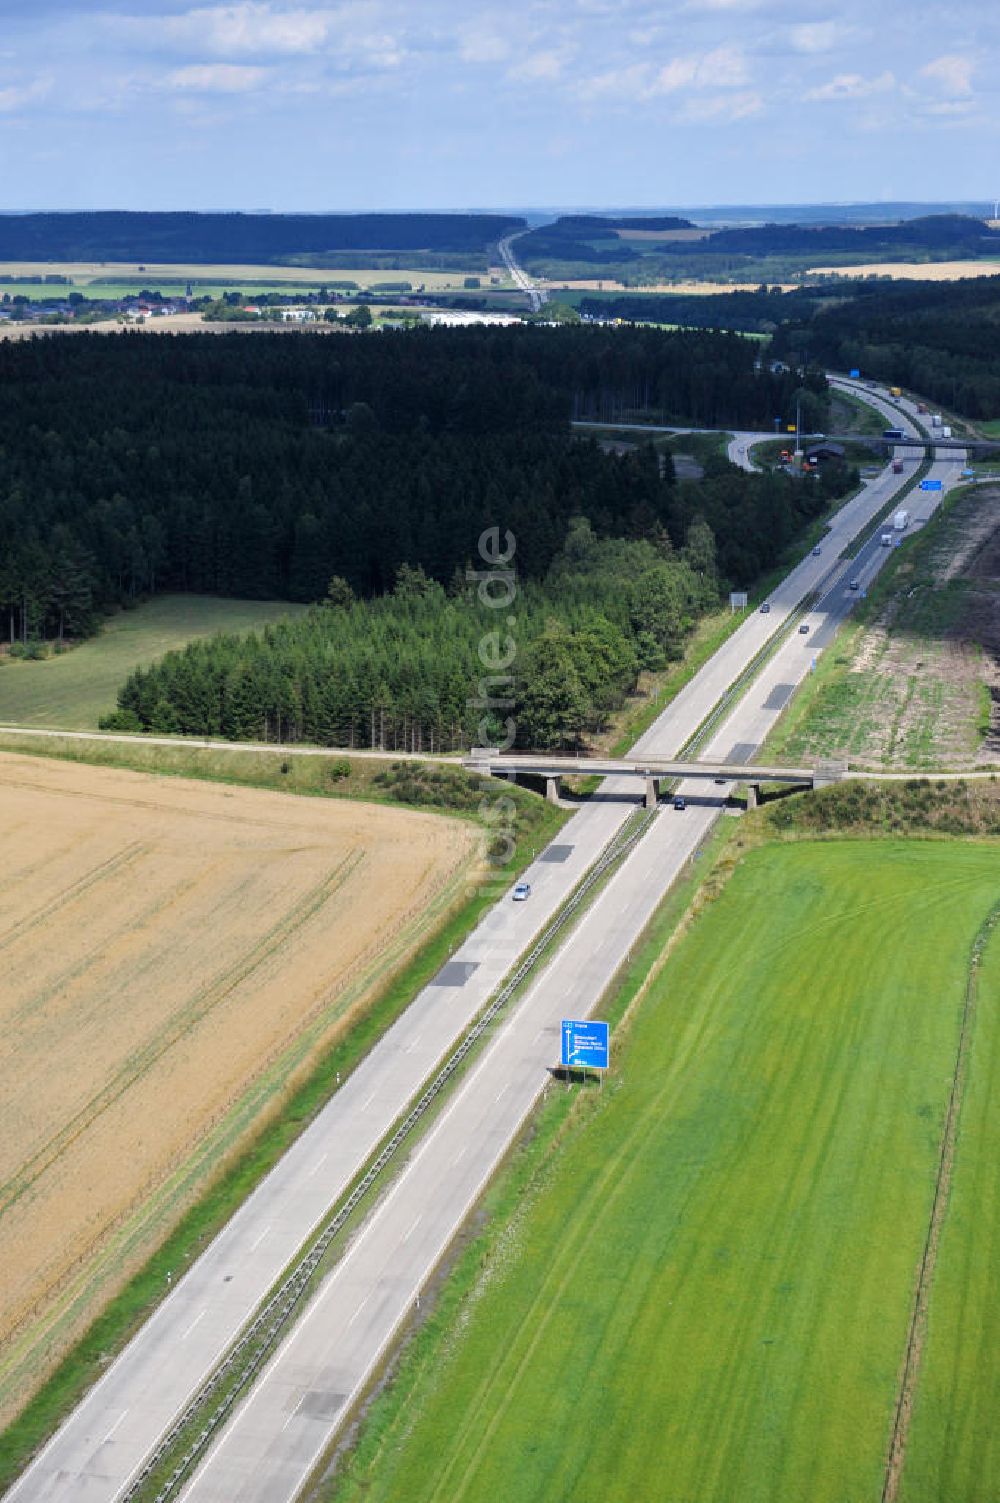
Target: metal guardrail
258,1339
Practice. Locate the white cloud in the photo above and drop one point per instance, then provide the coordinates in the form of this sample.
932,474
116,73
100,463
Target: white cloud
249,27
216,78
952,71
723,68
723,109
853,86
483,43
814,37
539,67
14,96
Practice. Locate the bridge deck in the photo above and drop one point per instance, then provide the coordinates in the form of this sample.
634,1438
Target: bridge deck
642,767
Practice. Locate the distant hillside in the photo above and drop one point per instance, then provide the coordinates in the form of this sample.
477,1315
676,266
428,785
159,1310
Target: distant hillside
241,238
581,245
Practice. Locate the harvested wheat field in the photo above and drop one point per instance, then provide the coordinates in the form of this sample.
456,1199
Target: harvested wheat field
171,953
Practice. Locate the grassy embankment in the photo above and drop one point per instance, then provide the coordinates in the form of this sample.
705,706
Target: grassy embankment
702,1277
71,690
903,684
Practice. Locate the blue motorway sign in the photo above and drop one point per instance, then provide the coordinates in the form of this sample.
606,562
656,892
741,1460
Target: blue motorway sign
585,1046
855,374
930,485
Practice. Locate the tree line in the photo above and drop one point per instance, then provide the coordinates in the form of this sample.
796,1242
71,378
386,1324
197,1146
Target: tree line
405,671
240,239
937,338
261,467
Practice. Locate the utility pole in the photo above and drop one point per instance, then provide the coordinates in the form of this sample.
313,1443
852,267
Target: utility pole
798,428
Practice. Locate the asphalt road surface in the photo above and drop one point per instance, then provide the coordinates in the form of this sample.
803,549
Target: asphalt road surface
272,1442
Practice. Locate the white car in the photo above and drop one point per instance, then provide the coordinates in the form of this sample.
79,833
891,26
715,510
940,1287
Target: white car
521,892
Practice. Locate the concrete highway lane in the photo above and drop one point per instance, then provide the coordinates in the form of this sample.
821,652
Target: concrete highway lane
104,1442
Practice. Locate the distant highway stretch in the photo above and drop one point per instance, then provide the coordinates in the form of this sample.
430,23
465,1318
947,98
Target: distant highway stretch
536,295
279,1431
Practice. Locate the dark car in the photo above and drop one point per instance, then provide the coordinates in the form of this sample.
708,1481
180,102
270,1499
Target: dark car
803,628
680,803
765,609
855,584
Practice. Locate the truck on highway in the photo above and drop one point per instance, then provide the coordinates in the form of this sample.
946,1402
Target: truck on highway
897,467
935,419
945,431
895,391
894,433
901,519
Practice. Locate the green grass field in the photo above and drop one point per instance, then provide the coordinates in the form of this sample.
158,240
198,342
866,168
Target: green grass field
71,691
954,1450
704,1292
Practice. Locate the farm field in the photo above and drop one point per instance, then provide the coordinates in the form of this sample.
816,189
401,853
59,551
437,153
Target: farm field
912,271
954,1449
73,690
705,1291
175,277
173,956
914,681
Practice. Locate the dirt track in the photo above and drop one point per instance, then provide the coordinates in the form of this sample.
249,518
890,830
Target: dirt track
165,945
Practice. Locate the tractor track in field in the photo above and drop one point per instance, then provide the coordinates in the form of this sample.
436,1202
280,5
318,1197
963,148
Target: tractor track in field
910,1377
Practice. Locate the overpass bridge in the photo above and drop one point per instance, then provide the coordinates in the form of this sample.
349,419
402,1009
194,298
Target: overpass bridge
488,761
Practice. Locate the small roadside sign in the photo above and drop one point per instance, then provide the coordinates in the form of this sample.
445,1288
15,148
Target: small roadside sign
585,1045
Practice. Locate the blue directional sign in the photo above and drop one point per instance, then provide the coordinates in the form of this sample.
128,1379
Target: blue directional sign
930,485
585,1046
855,375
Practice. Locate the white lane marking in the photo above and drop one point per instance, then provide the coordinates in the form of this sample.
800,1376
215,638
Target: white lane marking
114,1427
501,1090
410,1047
254,1245
187,1333
367,1104
319,1162
459,1154
294,1412
358,1311
413,1228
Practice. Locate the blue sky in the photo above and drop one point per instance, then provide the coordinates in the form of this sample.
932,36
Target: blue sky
378,104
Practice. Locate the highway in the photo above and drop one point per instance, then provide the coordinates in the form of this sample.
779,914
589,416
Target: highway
536,295
273,1439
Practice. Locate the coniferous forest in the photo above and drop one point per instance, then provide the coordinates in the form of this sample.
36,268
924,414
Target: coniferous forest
268,466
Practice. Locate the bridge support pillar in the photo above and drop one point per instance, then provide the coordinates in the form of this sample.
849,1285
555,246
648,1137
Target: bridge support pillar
553,787
752,794
652,792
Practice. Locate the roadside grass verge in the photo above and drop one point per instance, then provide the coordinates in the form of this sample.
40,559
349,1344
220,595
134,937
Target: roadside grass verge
73,689
290,1109
698,1282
